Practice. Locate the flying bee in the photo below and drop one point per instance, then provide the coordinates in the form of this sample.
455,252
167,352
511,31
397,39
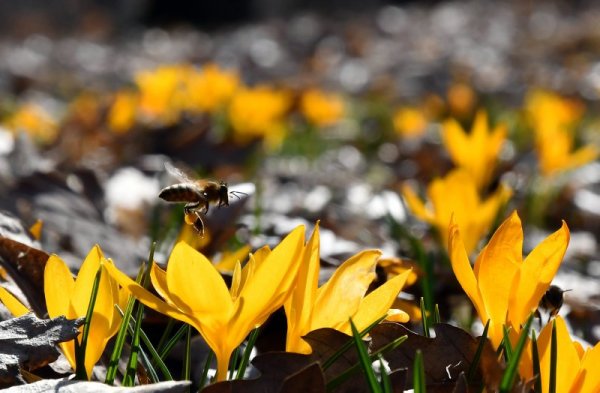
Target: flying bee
552,301
197,196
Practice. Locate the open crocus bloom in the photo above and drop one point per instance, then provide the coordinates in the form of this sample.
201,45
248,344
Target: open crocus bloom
477,151
71,297
194,292
576,368
342,297
503,287
456,195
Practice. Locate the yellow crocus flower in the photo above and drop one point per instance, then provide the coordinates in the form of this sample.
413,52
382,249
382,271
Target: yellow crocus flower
477,152
554,119
122,113
209,89
343,296
576,368
456,194
555,153
321,108
503,287
70,297
257,113
35,121
410,122
195,293
161,95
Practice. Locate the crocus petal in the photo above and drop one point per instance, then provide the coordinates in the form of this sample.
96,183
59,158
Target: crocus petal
588,379
463,271
537,271
58,288
568,361
145,297
271,278
397,315
299,306
349,282
158,278
13,305
195,285
497,266
229,260
455,140
85,281
100,324
378,302
415,204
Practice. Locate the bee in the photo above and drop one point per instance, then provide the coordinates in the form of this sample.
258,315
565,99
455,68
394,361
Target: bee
197,196
552,301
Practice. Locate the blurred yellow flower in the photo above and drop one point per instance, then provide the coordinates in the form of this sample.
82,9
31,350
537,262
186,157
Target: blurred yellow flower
554,119
576,368
502,286
321,108
410,122
161,93
70,297
35,121
476,152
461,99
456,195
13,304
122,113
343,296
210,88
195,293
258,113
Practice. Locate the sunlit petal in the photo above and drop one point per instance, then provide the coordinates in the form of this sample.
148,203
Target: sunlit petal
58,288
85,280
415,204
299,306
13,304
145,297
463,271
195,285
568,361
349,282
537,271
378,302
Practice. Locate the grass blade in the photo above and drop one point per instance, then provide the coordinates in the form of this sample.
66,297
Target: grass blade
209,357
436,314
419,373
424,319
129,378
553,359
156,360
247,352
337,381
80,372
535,357
233,362
327,363
510,373
475,363
386,383
187,357
111,371
365,360
508,350
172,341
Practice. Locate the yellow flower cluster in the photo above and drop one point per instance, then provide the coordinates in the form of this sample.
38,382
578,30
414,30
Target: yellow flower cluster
554,119
35,121
192,290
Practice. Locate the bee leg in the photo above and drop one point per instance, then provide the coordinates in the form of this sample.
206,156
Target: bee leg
199,224
189,208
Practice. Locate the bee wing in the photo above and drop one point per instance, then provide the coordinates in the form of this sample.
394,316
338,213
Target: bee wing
178,173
